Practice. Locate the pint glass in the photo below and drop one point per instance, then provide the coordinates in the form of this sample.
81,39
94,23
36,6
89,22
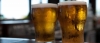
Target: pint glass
44,19
72,17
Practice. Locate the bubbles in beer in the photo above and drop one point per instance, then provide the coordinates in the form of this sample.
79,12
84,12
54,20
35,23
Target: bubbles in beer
44,21
72,19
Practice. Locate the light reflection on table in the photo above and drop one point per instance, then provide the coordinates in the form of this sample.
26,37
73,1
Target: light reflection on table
20,40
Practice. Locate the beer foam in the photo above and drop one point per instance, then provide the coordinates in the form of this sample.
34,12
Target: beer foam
72,3
44,5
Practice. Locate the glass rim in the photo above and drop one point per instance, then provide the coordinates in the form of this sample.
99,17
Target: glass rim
44,5
72,3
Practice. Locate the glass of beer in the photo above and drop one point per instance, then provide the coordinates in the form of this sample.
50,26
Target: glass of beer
72,17
44,19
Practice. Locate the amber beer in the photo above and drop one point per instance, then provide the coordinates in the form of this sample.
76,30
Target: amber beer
72,17
44,19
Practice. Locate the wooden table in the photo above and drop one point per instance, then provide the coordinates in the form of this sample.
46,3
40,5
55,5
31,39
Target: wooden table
6,24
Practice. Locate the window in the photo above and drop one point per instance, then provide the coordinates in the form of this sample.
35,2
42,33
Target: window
35,1
0,7
98,8
39,1
61,0
44,1
14,9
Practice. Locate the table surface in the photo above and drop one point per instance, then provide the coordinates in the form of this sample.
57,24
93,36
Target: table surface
18,40
14,21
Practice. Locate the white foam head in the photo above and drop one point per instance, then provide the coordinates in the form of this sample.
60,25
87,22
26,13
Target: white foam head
44,5
72,3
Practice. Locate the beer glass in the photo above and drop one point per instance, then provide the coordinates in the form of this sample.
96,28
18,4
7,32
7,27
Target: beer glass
44,19
72,17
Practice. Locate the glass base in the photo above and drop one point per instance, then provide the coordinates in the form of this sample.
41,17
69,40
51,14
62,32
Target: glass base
45,42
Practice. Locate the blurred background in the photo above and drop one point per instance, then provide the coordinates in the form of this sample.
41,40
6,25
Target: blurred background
15,19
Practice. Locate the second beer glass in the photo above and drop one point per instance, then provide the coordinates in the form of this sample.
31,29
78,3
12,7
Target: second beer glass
72,16
44,20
